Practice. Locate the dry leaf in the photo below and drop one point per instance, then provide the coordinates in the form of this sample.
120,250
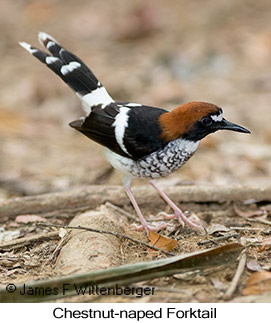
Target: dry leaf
29,218
258,283
218,284
267,241
262,249
7,235
187,276
161,242
245,241
253,265
215,227
266,208
247,214
265,245
62,232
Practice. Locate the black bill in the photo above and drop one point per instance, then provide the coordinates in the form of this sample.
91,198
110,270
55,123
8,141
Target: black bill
227,125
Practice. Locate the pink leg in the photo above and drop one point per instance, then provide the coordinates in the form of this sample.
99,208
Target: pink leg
144,223
177,212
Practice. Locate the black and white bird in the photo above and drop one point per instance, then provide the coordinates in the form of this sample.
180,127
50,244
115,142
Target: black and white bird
140,141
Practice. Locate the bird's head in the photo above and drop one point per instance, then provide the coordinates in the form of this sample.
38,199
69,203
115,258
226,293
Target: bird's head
194,121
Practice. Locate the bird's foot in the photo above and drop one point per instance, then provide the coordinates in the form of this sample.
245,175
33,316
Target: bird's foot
149,228
178,214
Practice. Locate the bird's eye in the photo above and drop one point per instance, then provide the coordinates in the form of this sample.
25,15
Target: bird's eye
206,121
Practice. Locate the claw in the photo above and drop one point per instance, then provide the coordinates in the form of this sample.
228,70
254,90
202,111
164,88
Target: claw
167,216
193,218
178,214
171,216
149,228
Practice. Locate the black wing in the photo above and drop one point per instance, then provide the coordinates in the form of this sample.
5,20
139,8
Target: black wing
141,134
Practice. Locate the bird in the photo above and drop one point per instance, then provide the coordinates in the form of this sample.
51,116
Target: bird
140,141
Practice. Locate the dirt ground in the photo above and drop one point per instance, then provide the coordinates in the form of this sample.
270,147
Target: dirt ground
160,53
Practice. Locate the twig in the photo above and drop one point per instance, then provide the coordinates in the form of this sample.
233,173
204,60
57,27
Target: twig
18,243
237,276
65,213
245,229
121,211
259,221
95,195
214,240
119,235
129,215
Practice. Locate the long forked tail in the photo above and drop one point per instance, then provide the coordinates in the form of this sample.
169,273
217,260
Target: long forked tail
72,71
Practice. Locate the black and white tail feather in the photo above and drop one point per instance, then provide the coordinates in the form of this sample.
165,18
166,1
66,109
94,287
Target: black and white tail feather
72,71
128,129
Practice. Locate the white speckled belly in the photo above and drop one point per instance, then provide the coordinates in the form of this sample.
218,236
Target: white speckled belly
159,163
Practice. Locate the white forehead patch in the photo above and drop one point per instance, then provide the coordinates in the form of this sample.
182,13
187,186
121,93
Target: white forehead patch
217,117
